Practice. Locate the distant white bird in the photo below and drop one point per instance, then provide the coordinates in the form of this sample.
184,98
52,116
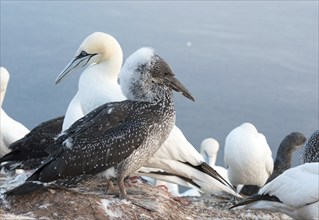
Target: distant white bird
310,153
247,156
11,130
102,56
295,193
288,145
209,149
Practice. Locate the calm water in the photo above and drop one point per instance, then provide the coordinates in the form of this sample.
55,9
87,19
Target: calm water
242,60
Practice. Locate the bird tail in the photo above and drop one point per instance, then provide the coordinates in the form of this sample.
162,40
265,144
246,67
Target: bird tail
213,173
255,198
8,157
25,188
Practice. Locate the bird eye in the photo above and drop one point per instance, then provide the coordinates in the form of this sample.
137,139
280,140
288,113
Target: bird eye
83,53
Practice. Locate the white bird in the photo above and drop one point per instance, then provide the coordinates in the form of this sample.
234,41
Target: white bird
102,56
209,148
288,145
247,156
295,193
11,130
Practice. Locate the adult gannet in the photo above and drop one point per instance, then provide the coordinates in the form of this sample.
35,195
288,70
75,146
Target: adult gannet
11,130
100,49
116,138
247,156
102,57
310,153
295,193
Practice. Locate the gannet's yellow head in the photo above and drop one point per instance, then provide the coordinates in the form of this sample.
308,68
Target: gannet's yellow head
96,48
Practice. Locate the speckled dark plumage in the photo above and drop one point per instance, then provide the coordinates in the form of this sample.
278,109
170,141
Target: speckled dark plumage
120,135
28,152
310,152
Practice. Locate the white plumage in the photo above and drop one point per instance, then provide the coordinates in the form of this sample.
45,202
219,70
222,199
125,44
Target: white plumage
247,156
297,190
11,130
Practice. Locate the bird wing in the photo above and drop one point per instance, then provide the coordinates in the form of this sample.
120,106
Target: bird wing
98,141
32,146
177,147
296,187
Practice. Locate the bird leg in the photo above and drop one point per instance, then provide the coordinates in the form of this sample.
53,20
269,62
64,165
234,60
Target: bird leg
110,189
120,183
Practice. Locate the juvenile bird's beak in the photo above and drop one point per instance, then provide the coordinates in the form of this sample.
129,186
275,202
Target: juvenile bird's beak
75,63
178,87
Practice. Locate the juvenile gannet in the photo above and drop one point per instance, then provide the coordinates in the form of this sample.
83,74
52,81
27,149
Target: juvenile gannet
295,193
288,145
116,138
11,130
247,156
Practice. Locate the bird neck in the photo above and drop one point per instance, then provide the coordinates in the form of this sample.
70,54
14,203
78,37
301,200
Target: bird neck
163,96
284,155
2,94
212,160
101,73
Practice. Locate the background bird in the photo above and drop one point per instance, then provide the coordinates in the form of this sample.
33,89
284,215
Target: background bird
295,193
11,130
209,149
287,147
247,156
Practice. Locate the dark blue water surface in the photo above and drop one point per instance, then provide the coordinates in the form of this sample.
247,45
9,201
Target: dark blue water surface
253,61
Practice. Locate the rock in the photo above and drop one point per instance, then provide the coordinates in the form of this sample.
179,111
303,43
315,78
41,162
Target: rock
145,202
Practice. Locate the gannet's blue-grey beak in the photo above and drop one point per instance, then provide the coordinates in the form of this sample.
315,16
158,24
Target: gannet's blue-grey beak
77,62
178,86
